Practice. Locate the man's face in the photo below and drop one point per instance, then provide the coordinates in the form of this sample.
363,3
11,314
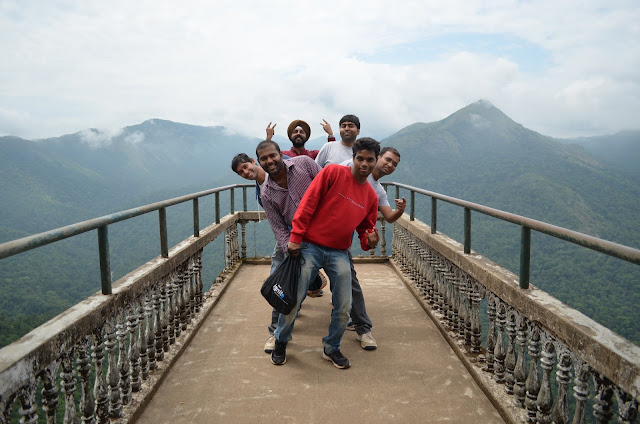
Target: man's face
363,163
298,137
270,159
349,132
247,170
387,163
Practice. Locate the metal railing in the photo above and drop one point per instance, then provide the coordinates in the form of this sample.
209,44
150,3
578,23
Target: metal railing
527,224
101,224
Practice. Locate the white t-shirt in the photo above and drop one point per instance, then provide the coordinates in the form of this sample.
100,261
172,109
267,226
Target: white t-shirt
377,187
333,152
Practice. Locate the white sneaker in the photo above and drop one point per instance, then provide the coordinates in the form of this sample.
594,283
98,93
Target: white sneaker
367,341
270,344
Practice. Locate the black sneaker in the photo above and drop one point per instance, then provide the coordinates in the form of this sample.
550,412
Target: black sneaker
279,354
339,361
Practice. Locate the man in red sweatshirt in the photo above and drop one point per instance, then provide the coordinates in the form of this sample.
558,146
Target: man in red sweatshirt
338,201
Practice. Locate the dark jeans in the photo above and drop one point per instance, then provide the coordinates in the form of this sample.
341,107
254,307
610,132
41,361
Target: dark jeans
359,316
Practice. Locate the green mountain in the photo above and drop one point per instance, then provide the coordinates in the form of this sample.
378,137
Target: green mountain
481,155
620,151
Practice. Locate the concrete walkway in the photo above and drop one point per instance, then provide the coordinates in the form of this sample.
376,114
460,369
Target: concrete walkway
225,376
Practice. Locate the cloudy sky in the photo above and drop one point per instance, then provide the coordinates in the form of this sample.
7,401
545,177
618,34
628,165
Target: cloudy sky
560,67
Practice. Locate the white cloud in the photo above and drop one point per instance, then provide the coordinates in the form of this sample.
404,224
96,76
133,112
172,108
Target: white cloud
73,65
99,137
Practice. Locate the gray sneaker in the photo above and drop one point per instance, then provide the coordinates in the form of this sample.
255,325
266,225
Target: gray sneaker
367,341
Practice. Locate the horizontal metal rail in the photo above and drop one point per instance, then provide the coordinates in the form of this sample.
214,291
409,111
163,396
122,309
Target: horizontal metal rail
607,247
101,224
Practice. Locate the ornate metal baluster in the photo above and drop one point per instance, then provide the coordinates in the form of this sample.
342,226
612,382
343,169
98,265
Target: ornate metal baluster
28,408
49,392
581,391
151,328
491,335
165,301
134,327
499,352
383,240
197,268
177,329
510,360
533,379
243,246
544,400
602,401
627,407
100,390
476,325
143,324
184,289
463,314
560,414
520,372
159,296
171,305
68,386
113,376
227,248
123,359
5,407
87,404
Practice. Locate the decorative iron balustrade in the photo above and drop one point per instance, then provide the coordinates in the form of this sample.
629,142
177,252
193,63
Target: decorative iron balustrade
529,333
119,342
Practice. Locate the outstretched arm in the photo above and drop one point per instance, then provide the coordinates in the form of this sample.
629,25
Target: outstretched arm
393,215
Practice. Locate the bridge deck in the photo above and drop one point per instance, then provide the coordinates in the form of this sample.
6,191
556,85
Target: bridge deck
413,376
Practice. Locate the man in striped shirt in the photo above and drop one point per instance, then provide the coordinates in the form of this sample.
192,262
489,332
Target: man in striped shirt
281,194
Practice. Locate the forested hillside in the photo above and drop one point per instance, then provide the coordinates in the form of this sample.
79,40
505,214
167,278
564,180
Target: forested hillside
478,154
481,155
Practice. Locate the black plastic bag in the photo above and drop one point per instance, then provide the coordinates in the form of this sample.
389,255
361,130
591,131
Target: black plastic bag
281,288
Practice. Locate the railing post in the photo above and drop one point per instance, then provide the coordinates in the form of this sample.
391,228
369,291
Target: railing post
412,215
397,192
467,231
525,257
196,218
434,215
244,199
105,263
164,244
233,200
217,196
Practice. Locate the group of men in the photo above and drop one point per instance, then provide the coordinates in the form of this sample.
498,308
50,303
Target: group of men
314,201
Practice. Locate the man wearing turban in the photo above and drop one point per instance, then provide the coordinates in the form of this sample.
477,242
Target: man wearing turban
298,132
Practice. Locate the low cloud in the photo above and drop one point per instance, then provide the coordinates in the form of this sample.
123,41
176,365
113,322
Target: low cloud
97,138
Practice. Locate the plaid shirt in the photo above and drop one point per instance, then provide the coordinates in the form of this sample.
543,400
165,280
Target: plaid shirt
281,204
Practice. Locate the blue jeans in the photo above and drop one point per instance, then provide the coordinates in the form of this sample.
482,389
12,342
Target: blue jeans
277,257
336,265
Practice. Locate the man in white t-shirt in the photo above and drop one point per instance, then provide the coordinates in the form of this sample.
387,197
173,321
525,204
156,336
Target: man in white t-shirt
339,152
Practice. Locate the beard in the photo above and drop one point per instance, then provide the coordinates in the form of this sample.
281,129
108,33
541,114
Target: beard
298,142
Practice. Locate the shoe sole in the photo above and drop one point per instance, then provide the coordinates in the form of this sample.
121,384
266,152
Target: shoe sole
283,362
334,364
268,350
